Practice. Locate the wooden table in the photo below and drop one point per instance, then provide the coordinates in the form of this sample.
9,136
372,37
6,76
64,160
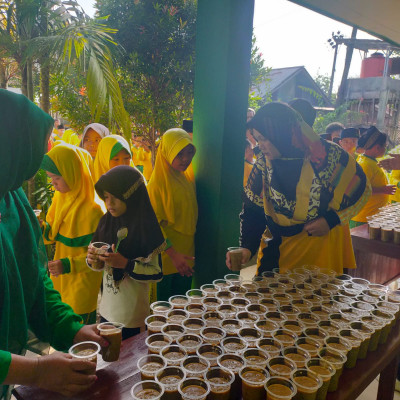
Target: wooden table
116,379
377,261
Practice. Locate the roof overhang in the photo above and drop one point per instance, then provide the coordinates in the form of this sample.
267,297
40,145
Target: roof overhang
379,18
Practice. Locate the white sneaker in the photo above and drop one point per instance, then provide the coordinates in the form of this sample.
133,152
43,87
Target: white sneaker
397,388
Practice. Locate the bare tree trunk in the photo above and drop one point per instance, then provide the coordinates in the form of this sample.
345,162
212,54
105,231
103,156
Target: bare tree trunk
3,77
24,80
29,65
342,87
45,86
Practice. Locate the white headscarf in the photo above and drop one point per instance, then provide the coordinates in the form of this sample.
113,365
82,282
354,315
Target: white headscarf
98,128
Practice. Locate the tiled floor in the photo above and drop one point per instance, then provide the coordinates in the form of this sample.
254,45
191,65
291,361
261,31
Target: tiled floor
371,391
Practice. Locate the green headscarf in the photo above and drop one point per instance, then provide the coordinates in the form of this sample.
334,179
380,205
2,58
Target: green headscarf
24,130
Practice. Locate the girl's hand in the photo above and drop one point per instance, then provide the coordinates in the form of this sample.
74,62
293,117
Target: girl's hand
318,227
180,262
246,255
56,268
115,260
91,255
91,333
61,373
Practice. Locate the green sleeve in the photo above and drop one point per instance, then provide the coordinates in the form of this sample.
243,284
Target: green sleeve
5,361
62,323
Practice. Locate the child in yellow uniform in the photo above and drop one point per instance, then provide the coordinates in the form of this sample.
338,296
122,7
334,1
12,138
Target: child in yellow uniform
70,223
374,144
113,150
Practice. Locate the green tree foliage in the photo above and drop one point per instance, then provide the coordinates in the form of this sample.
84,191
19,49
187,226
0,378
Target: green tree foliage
323,81
157,67
258,75
341,114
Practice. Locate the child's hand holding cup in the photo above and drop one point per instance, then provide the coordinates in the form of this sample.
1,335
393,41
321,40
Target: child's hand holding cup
95,250
236,256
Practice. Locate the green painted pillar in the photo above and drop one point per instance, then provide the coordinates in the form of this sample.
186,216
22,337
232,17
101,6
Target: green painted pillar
223,49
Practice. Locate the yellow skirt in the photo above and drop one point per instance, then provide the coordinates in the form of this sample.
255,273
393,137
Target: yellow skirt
333,251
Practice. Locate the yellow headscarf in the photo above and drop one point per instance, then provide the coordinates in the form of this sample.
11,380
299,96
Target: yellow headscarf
72,217
108,148
173,193
71,137
143,158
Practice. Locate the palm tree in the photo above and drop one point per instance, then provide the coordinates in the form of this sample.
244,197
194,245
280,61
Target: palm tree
57,34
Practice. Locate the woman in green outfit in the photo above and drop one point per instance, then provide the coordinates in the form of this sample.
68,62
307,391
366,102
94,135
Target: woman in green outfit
27,296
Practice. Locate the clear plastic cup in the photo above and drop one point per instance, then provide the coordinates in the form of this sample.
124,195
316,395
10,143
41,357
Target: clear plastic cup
265,292
225,296
220,381
190,342
247,319
213,318
285,336
150,365
170,378
112,332
310,345
176,316
234,363
156,342
355,339
257,309
235,254
154,323
221,283
240,303
253,297
210,289
281,366
86,351
253,381
173,330
290,311
366,332
212,303
100,249
195,296
317,334
255,357
212,335
278,388
271,346
210,352
233,279
276,316
195,310
325,371
388,320
307,382
329,327
227,310
149,390
161,307
195,366
173,354
339,344
231,326
194,389
250,335
234,345
337,359
308,319
270,303
292,325
297,355
193,325
377,325
178,301
266,327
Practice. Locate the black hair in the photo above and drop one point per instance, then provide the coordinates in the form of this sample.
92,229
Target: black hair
333,127
61,126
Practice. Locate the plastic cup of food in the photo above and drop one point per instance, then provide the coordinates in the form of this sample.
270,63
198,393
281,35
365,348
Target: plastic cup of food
266,327
161,307
156,342
178,301
221,283
281,366
250,335
99,248
210,289
190,342
388,320
310,345
255,358
149,390
195,366
170,378
227,310
154,323
193,325
213,318
377,325
325,371
337,359
317,334
233,363
231,326
280,388
248,319
195,296
235,254
338,343
150,365
307,382
253,381
174,354
212,303
195,310
297,355
173,330
176,316
366,332
210,352
220,381
271,346
355,339
194,389
112,332
212,335
234,345
285,336
233,279
86,351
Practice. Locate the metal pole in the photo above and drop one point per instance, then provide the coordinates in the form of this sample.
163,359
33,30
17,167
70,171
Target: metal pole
333,72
